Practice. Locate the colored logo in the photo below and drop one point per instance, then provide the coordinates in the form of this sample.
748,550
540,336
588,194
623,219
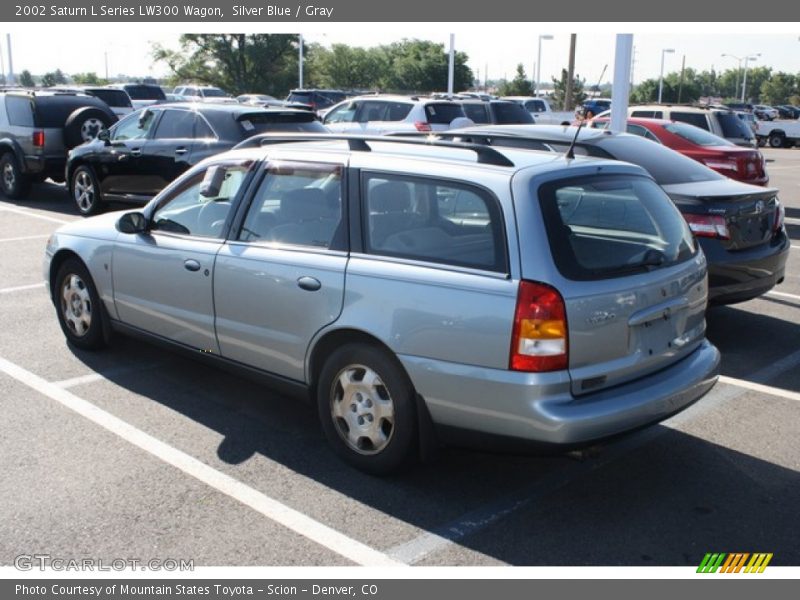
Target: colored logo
735,562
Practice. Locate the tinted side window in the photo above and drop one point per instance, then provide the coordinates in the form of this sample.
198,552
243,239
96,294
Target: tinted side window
342,114
20,111
433,221
648,114
444,113
372,111
697,119
175,124
476,112
507,112
535,106
298,204
134,127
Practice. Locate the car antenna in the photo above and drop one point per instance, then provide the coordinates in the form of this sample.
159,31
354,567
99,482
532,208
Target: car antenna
571,150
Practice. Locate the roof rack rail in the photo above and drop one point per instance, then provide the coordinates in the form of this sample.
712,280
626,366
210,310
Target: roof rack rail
359,143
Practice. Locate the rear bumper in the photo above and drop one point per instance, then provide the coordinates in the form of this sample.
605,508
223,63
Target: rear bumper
539,408
744,274
47,166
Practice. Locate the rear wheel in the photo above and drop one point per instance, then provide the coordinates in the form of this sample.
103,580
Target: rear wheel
78,306
86,191
367,409
14,182
777,140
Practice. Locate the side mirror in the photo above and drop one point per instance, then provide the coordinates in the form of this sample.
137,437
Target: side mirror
104,136
212,182
132,222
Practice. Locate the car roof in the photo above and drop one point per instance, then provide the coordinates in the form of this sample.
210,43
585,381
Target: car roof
225,107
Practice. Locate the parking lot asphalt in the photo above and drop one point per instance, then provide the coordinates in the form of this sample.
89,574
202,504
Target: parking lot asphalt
136,452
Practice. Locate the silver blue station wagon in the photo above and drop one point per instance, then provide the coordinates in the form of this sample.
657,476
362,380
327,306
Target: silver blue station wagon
418,291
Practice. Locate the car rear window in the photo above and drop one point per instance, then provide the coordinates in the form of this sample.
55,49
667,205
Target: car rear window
733,127
443,113
213,93
610,226
112,97
145,92
696,135
255,123
697,119
477,112
510,112
20,111
648,114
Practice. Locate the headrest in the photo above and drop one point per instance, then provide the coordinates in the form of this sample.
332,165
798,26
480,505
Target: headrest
390,197
304,204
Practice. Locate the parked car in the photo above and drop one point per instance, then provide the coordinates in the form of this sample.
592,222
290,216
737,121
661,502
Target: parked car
778,134
787,111
503,293
259,100
37,129
736,162
145,151
594,106
739,226
495,112
202,93
541,111
318,100
721,122
141,94
117,100
764,112
387,114
748,119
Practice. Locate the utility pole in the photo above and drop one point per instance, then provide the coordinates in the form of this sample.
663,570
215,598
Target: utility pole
568,104
680,84
452,65
300,62
11,80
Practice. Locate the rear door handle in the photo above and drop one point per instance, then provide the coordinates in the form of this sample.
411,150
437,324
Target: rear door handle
136,152
181,150
308,283
191,264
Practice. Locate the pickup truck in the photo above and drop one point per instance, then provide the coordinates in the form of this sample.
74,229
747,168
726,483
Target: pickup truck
779,133
541,111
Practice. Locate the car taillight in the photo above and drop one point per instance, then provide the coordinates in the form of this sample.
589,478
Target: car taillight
38,139
710,226
539,338
780,215
718,163
422,126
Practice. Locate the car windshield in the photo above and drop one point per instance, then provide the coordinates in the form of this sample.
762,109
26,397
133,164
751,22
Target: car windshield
693,134
111,97
213,93
608,226
145,92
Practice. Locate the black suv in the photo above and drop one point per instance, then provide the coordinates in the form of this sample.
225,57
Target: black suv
500,112
146,150
36,131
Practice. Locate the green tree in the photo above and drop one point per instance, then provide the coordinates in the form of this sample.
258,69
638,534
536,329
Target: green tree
778,88
52,78
519,86
238,62
26,79
421,66
88,79
560,89
346,67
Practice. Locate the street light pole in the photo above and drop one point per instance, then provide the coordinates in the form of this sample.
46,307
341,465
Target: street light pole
738,70
300,62
539,63
661,76
744,77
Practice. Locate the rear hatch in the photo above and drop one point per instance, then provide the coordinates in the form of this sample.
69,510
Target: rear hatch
635,286
746,216
297,121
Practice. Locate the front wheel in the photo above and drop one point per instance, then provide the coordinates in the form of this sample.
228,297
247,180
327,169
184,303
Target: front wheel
86,191
78,306
367,408
777,140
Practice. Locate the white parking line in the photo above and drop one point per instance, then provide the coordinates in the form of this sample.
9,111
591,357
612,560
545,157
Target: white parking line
24,237
21,288
791,220
784,295
28,213
296,521
758,387
105,375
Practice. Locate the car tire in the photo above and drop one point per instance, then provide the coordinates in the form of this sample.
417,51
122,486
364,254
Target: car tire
80,312
367,409
85,191
14,183
83,125
776,140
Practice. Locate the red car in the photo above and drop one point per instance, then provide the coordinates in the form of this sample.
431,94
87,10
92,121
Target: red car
736,162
